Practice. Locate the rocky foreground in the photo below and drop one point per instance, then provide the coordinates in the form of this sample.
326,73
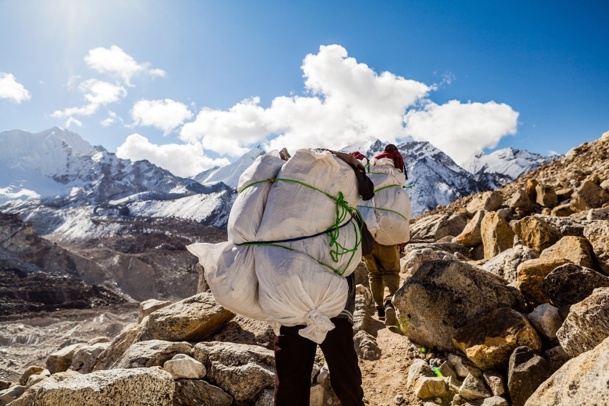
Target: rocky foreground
504,301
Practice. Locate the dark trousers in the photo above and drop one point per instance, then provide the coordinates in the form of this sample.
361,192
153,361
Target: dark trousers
294,358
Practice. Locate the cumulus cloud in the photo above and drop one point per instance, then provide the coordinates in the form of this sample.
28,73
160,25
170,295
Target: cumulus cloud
163,114
97,93
346,101
117,62
180,159
11,89
462,129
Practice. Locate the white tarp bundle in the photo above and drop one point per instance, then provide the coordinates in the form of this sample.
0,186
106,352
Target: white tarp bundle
388,214
281,264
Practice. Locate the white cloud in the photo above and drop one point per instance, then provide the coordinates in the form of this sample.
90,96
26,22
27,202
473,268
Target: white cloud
180,159
164,114
11,89
74,121
462,129
348,101
98,93
111,119
117,62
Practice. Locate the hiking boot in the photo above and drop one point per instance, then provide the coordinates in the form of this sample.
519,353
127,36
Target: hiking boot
380,310
390,317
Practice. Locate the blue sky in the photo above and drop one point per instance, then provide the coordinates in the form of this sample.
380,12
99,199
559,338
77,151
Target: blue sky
189,84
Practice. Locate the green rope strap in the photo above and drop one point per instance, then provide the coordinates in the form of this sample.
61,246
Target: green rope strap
384,209
342,209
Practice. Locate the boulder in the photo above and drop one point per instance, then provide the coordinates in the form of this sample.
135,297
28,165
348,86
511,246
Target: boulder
435,227
182,366
60,360
445,295
597,233
586,325
241,370
151,353
521,200
535,233
196,392
546,319
117,347
192,319
137,387
417,254
576,249
490,340
150,305
580,381
570,283
531,274
471,235
588,195
546,195
497,236
366,346
526,371
487,201
85,357
506,263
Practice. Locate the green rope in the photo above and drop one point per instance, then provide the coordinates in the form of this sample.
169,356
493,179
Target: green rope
342,209
384,209
386,187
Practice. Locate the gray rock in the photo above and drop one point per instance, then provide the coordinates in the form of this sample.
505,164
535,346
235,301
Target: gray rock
569,284
505,264
151,353
526,372
196,392
445,295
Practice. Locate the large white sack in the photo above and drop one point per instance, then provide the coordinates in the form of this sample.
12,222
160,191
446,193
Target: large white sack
296,290
231,276
302,200
391,204
253,189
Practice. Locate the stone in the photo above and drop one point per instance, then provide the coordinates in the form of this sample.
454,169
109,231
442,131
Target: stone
526,371
588,196
531,189
117,347
151,353
10,394
546,195
150,305
535,233
505,264
597,233
487,201
443,296
471,235
430,388
137,387
366,346
580,381
569,284
497,236
495,401
85,357
546,319
241,370
182,366
60,360
587,324
197,392
192,319
563,210
473,388
33,369
495,381
531,274
435,227
418,369
490,340
577,250
521,200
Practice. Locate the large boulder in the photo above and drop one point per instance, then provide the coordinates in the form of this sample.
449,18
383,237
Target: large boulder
526,371
241,370
434,227
471,235
576,249
497,236
134,387
490,340
536,233
197,392
443,296
151,353
570,283
505,265
192,319
531,274
580,381
598,234
586,325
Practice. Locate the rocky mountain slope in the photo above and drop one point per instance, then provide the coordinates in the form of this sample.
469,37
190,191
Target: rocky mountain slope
504,301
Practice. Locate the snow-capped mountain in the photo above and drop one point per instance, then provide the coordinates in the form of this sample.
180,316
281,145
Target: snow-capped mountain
504,166
60,183
64,186
229,175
